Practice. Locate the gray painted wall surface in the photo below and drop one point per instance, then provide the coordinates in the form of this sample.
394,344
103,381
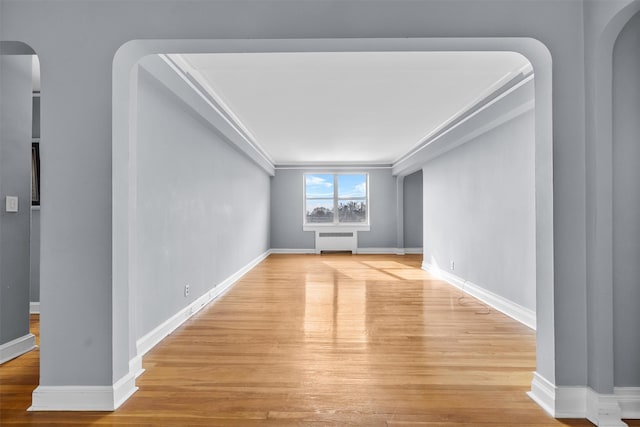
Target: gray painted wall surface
78,335
626,205
479,211
34,256
35,128
287,211
413,210
203,208
15,180
35,218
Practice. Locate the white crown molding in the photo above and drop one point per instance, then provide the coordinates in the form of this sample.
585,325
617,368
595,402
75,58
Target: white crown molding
332,166
200,84
477,104
34,306
17,347
83,398
151,339
512,103
168,74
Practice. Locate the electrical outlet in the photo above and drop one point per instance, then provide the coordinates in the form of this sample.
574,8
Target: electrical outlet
452,265
186,290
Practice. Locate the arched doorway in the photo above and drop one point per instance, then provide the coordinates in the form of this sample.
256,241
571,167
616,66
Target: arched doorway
126,359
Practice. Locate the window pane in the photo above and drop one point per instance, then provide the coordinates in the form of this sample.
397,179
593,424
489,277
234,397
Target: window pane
352,211
352,186
319,186
319,211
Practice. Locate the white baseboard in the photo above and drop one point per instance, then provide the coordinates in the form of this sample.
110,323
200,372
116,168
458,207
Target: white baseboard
604,410
135,366
17,347
34,307
150,340
629,401
413,251
510,308
371,251
376,251
83,398
291,251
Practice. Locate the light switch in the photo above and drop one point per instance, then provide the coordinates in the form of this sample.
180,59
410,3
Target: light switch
12,204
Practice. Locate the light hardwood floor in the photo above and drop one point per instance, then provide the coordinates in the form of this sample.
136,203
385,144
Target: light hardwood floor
324,340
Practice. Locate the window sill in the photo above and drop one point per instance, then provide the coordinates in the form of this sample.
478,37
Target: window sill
336,227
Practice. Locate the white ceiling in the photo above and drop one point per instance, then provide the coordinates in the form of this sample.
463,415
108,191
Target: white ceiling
362,107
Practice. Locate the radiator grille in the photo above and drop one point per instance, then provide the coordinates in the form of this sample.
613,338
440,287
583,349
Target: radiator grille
336,234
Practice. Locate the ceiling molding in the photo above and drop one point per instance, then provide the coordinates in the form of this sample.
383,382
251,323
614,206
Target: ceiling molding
200,85
334,166
518,99
503,84
166,74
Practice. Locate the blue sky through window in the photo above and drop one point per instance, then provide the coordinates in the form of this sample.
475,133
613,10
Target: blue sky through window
319,186
350,186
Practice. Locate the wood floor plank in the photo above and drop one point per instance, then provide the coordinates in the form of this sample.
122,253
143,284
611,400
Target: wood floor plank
305,340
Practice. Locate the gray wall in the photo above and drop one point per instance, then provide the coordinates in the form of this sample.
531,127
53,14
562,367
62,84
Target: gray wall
203,208
287,208
479,211
15,180
626,205
413,210
77,77
34,256
35,219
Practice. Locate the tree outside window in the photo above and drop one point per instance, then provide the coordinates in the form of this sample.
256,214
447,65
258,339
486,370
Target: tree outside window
336,198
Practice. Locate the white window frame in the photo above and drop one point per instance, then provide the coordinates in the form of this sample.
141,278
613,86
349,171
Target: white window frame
342,226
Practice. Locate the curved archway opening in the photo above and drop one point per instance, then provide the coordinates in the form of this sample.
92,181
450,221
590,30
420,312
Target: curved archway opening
126,357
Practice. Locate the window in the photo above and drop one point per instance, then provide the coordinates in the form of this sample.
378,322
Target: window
335,199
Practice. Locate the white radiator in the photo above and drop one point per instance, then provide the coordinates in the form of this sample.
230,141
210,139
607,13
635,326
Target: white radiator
336,241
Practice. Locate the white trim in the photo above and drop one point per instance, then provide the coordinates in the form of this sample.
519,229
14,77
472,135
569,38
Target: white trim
603,409
543,393
396,251
450,124
629,401
170,75
135,366
184,69
151,339
292,251
332,166
336,228
414,251
83,398
606,410
516,311
17,347
34,307
374,251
